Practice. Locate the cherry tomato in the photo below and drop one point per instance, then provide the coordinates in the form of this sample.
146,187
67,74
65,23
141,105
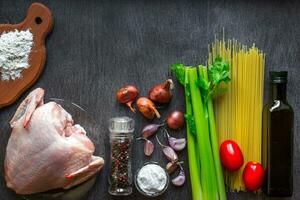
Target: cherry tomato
253,175
231,155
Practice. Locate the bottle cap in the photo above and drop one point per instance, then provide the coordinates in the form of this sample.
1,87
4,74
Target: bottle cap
278,76
121,125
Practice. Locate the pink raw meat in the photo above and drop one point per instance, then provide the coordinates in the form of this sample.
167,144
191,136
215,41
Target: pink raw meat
46,150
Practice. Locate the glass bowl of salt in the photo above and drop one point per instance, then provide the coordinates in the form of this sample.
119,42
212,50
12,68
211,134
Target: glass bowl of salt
151,180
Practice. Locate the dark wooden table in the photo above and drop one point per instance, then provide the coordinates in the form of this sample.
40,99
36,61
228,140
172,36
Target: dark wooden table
98,46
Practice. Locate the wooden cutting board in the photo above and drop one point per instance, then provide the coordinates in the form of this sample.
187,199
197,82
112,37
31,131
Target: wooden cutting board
39,21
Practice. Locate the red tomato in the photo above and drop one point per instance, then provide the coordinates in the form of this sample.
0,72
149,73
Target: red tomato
253,175
231,155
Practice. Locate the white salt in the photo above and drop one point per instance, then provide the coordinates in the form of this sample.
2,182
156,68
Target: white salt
152,179
15,48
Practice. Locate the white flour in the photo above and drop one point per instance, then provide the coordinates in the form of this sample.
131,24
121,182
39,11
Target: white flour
152,179
15,47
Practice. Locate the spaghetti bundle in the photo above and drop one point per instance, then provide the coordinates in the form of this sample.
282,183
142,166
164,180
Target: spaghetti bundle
239,111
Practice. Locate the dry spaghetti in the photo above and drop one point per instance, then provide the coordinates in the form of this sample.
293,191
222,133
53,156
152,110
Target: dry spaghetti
238,111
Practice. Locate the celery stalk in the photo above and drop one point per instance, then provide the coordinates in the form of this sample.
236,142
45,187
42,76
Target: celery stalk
207,116
192,155
207,172
214,140
204,162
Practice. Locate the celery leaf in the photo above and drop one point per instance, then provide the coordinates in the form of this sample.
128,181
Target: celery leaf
179,70
218,74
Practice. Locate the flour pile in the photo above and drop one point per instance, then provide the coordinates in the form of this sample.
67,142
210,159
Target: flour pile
15,47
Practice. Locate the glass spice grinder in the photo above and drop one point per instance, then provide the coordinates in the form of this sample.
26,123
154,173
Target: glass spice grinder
121,138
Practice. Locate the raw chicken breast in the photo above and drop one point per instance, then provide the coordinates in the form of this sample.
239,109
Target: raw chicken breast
46,150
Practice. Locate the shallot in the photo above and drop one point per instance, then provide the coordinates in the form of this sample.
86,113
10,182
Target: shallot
162,93
170,154
176,143
150,130
147,108
127,95
175,120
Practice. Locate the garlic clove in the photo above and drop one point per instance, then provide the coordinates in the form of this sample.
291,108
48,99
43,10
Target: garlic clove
150,130
170,154
180,179
176,143
171,167
148,147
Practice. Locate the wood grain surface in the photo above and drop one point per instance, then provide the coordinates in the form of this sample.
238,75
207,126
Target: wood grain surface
97,46
39,21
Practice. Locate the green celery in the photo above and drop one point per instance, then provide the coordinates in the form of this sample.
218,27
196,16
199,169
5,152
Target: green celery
194,168
207,172
192,155
204,162
205,95
214,139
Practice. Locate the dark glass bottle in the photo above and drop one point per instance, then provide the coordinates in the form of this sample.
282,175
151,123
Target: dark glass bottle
277,141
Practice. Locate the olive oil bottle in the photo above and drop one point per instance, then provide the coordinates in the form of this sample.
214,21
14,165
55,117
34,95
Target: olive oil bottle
277,141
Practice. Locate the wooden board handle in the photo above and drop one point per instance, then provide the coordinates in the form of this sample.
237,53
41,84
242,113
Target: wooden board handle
39,19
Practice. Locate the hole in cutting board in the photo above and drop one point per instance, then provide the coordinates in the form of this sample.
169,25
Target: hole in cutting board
38,20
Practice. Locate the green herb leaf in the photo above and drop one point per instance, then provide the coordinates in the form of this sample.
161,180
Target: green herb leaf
179,71
218,73
202,83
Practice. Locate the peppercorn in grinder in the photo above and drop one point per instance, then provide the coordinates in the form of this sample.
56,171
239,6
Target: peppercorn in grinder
121,138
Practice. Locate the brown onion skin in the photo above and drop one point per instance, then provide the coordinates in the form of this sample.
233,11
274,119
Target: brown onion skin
161,93
127,95
171,167
147,108
175,120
